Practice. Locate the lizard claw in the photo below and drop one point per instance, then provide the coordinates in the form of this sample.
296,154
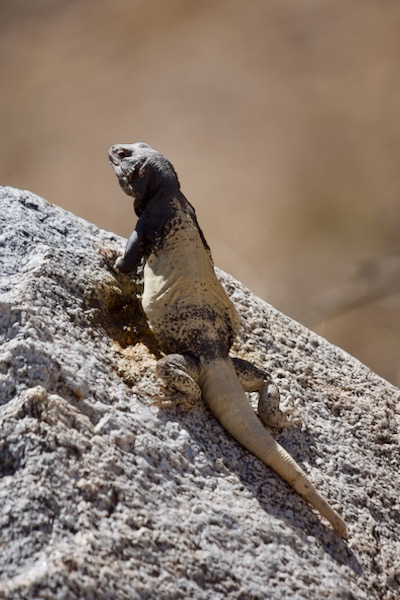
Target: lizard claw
290,412
175,399
276,414
161,401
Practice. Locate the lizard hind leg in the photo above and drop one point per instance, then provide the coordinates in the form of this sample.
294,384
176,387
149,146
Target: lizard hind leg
253,379
180,374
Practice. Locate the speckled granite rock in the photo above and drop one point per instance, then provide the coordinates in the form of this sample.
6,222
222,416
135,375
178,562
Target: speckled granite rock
105,495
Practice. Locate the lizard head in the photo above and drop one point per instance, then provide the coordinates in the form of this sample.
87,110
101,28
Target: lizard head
141,171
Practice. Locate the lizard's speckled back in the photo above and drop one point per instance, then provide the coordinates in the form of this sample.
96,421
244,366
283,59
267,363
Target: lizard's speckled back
186,305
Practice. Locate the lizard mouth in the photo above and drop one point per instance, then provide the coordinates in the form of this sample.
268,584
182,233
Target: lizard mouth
126,166
126,171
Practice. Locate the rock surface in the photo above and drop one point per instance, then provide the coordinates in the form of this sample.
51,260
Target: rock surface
106,495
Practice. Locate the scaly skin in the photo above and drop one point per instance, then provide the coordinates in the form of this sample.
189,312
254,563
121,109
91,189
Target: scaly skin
225,397
193,319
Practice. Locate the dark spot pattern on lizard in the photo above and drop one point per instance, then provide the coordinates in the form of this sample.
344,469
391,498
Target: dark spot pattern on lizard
192,317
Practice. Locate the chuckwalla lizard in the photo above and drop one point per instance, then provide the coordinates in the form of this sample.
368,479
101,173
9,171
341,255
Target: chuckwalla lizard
192,317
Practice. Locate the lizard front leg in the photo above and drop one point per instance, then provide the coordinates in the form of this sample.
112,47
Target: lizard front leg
180,373
253,379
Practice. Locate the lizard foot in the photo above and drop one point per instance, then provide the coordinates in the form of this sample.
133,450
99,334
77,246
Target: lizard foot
278,414
179,374
174,399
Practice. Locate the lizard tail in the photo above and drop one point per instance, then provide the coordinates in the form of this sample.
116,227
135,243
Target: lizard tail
228,402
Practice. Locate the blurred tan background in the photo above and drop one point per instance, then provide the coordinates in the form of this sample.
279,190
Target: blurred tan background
282,119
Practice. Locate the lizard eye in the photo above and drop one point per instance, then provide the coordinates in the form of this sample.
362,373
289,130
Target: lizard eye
123,152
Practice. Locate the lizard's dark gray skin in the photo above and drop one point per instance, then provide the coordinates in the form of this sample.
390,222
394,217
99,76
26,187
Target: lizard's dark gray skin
193,319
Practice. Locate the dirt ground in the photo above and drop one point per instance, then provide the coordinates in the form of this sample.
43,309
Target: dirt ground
282,120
